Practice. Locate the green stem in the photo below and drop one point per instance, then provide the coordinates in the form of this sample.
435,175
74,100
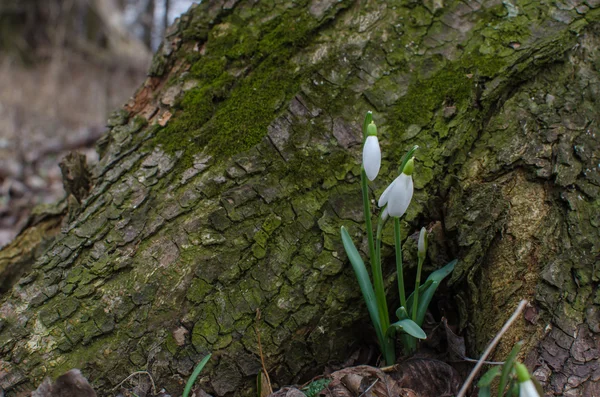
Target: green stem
367,210
378,279
399,269
417,285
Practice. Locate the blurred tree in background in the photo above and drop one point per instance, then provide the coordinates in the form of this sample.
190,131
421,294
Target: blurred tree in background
64,66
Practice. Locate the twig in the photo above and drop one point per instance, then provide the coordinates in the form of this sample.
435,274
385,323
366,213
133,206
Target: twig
472,360
260,352
138,373
491,347
369,388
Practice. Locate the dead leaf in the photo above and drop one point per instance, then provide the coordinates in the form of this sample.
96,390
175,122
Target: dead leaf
288,392
456,344
431,378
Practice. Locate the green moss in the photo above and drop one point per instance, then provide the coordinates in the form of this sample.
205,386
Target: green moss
198,290
228,113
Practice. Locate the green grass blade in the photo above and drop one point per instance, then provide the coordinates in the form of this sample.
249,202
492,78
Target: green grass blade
364,282
192,379
407,326
508,366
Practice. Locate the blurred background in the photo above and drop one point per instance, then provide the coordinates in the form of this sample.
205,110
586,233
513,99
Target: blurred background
65,65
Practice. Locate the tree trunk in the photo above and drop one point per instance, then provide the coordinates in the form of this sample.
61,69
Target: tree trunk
222,186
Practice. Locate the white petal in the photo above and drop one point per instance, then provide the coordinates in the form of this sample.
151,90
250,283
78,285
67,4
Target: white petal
383,199
371,157
385,214
527,389
400,195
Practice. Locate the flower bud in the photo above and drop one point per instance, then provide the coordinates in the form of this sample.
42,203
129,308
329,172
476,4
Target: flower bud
409,167
422,245
526,386
372,129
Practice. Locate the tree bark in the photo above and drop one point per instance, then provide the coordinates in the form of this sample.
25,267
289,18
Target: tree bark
222,186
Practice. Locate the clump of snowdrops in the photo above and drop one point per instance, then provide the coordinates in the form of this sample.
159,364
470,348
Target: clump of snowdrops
393,202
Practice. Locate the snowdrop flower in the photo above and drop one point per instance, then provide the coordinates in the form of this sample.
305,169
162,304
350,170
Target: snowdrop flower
422,245
399,193
526,386
371,153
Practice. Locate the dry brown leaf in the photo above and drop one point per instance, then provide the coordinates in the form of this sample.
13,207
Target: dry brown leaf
288,392
456,344
431,378
354,383
387,387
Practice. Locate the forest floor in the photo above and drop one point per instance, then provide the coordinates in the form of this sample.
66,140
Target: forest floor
48,109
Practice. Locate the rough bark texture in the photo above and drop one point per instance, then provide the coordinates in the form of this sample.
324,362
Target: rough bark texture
223,184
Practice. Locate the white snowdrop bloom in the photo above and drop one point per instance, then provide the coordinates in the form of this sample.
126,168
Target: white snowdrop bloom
526,386
371,157
527,389
400,195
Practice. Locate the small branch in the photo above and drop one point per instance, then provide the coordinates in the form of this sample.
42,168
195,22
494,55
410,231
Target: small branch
138,373
369,388
260,352
491,347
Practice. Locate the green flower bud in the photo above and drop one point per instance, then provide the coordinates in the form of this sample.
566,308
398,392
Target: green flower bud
409,167
372,129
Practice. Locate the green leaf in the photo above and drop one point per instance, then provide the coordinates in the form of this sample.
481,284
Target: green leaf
489,376
368,119
192,378
407,326
407,157
485,392
513,389
508,366
422,288
364,282
429,287
401,313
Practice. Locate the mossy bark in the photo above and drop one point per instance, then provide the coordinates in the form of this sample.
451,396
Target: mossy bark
222,186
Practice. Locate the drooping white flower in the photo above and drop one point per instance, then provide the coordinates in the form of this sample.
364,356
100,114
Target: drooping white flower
371,153
371,157
398,194
422,245
526,386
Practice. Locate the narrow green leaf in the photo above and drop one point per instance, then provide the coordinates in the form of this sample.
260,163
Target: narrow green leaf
508,366
192,379
489,376
430,286
368,119
406,157
422,288
407,326
485,392
364,282
513,389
